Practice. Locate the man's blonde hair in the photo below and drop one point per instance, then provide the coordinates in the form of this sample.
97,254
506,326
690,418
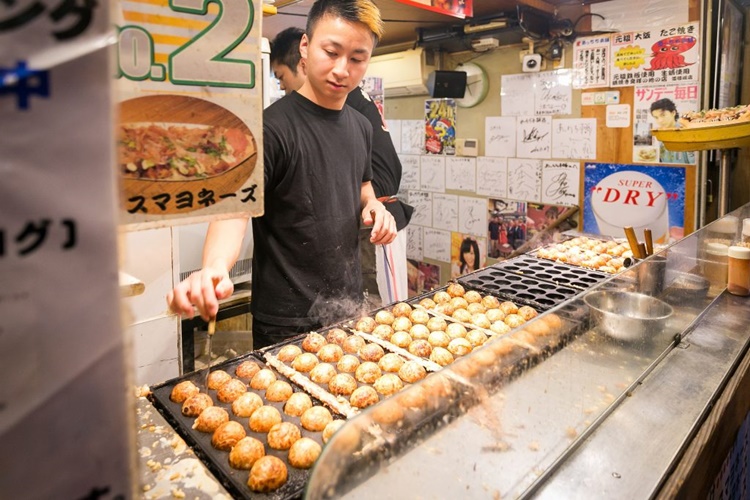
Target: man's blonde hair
356,11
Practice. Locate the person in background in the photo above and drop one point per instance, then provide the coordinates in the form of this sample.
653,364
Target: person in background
494,234
384,271
317,172
664,113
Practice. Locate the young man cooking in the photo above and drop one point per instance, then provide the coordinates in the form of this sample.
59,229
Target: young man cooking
317,161
384,273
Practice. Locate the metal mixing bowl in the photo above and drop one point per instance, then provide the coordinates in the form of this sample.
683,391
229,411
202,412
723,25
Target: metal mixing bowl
627,316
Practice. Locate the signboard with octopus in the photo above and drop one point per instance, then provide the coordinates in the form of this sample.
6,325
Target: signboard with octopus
656,56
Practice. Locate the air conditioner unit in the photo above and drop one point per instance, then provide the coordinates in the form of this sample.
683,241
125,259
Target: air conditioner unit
403,73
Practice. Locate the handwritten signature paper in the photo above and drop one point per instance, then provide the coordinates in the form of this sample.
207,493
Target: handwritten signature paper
414,248
394,130
472,215
553,93
432,173
534,137
437,244
445,211
461,173
500,136
409,171
574,138
492,176
524,179
412,136
560,182
422,203
517,93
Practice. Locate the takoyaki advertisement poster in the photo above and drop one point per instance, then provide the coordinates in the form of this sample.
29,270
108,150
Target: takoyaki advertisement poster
440,126
640,196
656,56
189,145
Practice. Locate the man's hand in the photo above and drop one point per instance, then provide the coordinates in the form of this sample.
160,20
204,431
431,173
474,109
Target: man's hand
202,289
383,224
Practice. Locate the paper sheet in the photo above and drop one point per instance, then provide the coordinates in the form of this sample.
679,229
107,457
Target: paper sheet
500,136
534,137
524,179
422,203
412,137
432,173
445,211
574,138
560,182
409,171
461,173
437,244
472,215
492,176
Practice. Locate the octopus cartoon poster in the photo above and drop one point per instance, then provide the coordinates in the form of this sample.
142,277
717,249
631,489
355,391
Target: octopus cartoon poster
455,8
634,195
656,56
661,107
440,126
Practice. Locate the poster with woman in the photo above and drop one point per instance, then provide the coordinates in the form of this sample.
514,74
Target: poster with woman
467,254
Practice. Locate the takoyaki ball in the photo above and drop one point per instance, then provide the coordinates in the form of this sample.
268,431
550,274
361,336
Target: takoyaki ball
437,386
476,337
245,405
391,362
279,391
419,331
304,453
441,297
383,332
509,307
466,367
490,302
388,412
462,315
264,418
412,372
401,339
353,344
297,404
322,373
366,324
472,297
484,357
245,453
456,330
388,383
495,315
348,363
331,429
459,303
481,320
445,308
210,419
459,347
364,396
267,474
514,320
476,308
330,353
421,348
263,379
305,362
501,347
283,435
427,303
217,378
371,352
524,336
419,317
401,310
227,435
384,317
368,372
231,390
414,397
435,324
288,353
194,405
538,328
247,369
499,327
438,339
401,324
313,342
316,418
527,312
553,321
441,356
342,384
455,290
337,336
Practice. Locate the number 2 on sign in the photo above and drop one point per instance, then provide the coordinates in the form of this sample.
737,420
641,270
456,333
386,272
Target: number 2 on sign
203,60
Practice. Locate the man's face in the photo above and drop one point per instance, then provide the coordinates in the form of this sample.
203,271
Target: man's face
337,56
664,118
288,79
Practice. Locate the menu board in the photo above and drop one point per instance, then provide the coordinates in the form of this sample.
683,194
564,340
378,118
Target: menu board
190,115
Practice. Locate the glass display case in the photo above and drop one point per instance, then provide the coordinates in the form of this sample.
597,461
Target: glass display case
597,395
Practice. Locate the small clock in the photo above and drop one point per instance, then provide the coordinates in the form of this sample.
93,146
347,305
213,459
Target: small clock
477,85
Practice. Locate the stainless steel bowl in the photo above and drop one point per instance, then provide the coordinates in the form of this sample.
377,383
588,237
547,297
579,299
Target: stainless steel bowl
627,316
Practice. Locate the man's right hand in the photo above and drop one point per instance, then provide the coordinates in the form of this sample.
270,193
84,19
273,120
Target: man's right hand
202,289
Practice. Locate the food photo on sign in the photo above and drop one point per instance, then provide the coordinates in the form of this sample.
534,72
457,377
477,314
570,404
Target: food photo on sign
642,197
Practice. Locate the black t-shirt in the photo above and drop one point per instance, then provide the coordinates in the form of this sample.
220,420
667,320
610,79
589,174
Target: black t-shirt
386,165
306,267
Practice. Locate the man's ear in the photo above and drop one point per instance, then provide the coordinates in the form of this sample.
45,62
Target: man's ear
304,43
